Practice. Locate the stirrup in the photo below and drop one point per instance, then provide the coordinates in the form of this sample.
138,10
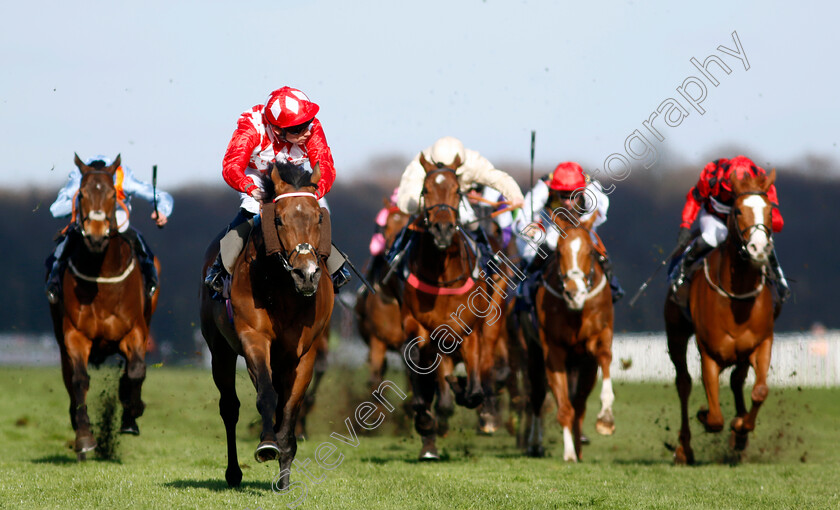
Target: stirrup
215,279
340,278
53,291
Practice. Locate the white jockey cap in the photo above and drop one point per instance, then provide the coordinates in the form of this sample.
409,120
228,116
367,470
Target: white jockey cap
446,149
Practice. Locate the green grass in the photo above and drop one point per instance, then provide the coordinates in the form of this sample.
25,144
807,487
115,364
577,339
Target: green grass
178,460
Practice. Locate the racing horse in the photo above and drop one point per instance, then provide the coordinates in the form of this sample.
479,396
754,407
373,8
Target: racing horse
443,305
103,308
279,306
731,313
378,315
574,314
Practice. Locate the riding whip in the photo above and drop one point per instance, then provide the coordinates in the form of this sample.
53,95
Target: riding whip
533,141
154,192
662,264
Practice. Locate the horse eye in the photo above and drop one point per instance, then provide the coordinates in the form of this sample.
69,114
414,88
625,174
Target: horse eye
277,221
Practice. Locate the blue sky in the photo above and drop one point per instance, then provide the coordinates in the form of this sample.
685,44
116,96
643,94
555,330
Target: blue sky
164,82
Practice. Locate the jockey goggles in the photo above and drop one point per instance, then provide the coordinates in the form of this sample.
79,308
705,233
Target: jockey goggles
299,129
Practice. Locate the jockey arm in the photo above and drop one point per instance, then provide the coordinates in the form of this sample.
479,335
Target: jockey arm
320,154
411,186
476,169
133,186
697,196
238,154
63,205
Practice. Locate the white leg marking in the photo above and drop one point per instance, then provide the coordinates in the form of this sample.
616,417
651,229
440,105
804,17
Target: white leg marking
569,453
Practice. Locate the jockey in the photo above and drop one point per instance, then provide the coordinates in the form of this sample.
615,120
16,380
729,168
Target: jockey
712,199
127,186
569,188
474,169
283,129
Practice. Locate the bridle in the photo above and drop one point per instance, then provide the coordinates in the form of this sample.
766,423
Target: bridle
97,215
744,234
572,274
428,210
302,248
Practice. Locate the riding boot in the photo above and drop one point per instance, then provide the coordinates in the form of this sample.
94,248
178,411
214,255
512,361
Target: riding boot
615,287
533,273
56,263
146,259
216,275
337,267
485,251
695,252
782,288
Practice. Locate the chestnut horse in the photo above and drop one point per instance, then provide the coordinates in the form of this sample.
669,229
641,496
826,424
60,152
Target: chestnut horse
378,315
731,315
281,305
443,307
103,308
575,319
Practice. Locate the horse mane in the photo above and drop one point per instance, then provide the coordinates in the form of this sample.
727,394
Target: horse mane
294,175
97,164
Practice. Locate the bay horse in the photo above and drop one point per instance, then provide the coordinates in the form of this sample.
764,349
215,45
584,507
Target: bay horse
574,314
731,313
442,315
378,315
280,306
103,308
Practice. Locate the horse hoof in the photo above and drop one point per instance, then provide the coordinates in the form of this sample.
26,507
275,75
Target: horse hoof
584,439
570,457
266,451
429,454
604,427
488,429
85,444
536,451
131,430
81,457
703,417
738,441
233,477
681,458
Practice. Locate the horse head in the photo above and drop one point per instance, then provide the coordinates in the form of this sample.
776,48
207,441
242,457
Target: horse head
298,220
395,222
440,199
576,261
750,217
97,203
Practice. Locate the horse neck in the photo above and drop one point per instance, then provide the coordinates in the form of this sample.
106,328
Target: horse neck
736,273
446,265
112,260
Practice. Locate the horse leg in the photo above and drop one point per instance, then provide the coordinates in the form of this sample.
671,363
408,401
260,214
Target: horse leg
258,360
224,375
587,376
711,418
378,350
488,411
605,425
678,331
471,351
293,383
738,440
133,347
309,399
445,403
537,379
760,360
74,358
558,380
422,386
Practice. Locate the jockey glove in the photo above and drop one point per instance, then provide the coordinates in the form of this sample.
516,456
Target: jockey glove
684,236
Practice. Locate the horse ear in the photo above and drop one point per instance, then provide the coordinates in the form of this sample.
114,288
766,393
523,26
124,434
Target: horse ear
79,164
457,161
274,175
316,174
736,183
116,164
769,180
427,166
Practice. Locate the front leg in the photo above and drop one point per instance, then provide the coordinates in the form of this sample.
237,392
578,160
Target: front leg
257,349
293,381
133,348
74,359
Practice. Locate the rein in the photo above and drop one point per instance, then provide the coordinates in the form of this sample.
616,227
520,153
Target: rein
725,293
277,247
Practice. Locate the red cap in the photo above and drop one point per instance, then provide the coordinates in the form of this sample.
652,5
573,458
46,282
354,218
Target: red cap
567,176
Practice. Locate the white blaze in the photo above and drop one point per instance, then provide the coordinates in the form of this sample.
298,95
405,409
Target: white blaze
757,244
